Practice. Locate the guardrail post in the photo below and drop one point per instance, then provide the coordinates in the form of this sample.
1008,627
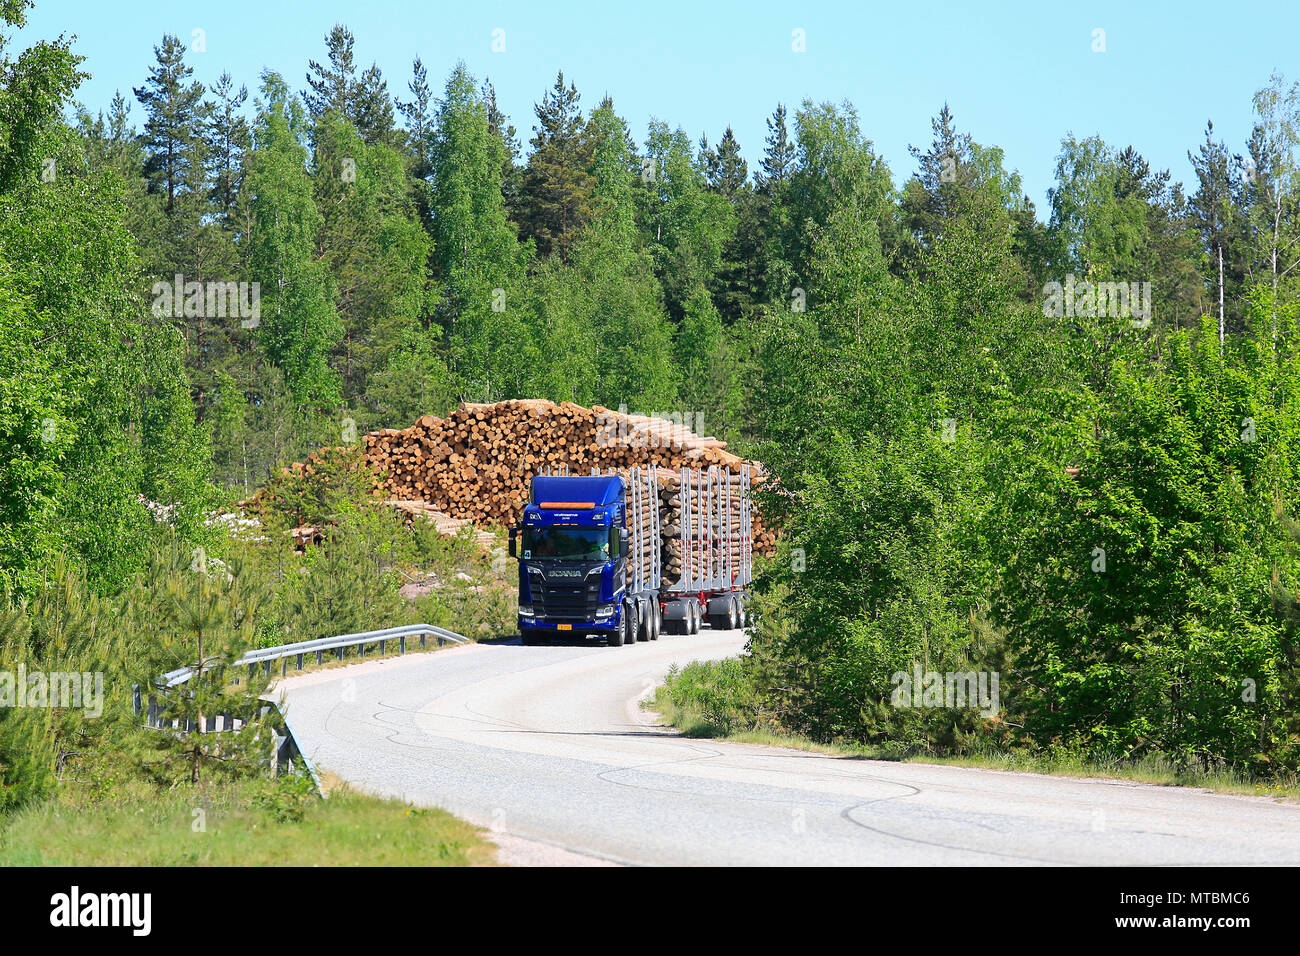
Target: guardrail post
382,644
153,711
361,649
299,662
441,642
252,671
284,666
319,656
266,668
401,644
135,698
340,653
422,640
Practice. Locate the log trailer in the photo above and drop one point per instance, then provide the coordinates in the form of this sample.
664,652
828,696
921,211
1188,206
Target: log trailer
630,553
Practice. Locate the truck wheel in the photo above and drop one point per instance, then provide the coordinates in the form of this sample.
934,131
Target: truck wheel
694,626
734,616
654,621
632,623
616,636
643,621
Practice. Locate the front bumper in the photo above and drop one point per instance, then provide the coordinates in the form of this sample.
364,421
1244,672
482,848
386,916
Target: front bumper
565,627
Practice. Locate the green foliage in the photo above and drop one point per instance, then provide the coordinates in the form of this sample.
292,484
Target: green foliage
479,261
300,323
93,398
943,454
1176,640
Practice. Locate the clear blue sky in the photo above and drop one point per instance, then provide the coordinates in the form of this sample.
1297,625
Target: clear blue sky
1019,75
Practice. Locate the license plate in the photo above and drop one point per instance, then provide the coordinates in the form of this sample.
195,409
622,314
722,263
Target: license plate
564,627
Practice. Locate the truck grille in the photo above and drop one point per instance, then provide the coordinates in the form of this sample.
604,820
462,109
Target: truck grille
567,602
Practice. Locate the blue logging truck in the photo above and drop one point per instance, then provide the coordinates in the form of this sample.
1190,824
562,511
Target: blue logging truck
630,553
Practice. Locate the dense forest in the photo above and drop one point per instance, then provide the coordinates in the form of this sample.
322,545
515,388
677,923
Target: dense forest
1062,444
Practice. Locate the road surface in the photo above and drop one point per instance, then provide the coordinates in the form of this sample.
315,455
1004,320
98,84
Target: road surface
549,748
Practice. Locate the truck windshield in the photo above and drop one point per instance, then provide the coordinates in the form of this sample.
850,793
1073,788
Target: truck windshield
574,544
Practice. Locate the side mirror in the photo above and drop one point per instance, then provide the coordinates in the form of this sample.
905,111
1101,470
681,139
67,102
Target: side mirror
514,547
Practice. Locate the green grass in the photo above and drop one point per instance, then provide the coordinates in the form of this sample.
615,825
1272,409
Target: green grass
251,823
711,701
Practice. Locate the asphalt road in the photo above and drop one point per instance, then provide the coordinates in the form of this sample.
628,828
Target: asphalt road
548,747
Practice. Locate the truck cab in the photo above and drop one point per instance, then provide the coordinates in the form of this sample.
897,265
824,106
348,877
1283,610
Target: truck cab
572,546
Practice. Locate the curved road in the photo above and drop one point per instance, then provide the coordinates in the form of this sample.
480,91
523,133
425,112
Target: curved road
549,748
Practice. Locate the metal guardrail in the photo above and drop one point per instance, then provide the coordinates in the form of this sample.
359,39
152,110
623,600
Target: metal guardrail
285,748
282,652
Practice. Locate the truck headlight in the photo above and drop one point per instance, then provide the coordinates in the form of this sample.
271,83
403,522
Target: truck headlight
525,610
605,610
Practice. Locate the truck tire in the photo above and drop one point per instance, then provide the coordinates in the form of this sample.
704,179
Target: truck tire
654,621
643,622
717,618
616,636
694,626
734,617
632,623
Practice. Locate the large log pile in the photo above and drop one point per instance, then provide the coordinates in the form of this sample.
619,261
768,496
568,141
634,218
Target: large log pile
476,464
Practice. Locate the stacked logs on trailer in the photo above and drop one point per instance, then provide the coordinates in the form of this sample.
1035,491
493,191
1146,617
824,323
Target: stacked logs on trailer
703,527
477,463
696,539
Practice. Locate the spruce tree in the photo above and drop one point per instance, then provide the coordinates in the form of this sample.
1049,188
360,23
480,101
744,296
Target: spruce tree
726,169
779,159
372,110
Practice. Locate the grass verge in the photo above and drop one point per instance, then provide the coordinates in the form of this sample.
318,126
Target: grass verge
249,823
709,700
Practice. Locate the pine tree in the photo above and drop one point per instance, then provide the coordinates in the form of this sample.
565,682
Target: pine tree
206,616
419,120
945,176
336,88
555,198
174,124
229,139
333,85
